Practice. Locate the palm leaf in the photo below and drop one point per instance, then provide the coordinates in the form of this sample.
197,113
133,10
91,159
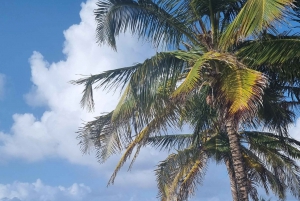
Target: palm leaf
108,79
255,16
271,51
161,68
187,164
147,19
241,89
102,135
162,121
171,142
191,81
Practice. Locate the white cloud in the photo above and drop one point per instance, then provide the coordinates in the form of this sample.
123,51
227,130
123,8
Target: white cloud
38,191
2,85
54,134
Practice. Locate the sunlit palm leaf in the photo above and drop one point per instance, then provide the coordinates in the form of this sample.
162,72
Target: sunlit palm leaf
187,164
191,81
242,89
255,16
194,176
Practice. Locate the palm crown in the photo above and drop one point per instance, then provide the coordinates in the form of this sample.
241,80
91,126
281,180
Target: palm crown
227,50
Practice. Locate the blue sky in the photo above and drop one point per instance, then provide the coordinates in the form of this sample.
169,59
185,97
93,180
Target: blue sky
44,45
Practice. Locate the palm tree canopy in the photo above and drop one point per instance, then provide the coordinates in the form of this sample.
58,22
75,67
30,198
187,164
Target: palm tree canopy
228,51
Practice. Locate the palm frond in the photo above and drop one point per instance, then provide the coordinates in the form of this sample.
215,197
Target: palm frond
254,17
108,79
171,173
171,142
162,67
150,20
237,87
165,119
191,81
102,135
194,176
274,51
275,113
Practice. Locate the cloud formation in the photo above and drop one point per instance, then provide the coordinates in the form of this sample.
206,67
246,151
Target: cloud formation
37,190
54,134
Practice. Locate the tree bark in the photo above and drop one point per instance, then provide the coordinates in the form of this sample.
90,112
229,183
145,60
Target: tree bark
237,160
234,192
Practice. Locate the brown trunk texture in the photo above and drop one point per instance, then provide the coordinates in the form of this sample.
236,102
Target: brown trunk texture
237,159
234,192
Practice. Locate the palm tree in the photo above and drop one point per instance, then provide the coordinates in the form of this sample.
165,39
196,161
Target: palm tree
273,115
263,153
224,45
269,163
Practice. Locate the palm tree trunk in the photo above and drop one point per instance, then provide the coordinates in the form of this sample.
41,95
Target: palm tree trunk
237,159
234,192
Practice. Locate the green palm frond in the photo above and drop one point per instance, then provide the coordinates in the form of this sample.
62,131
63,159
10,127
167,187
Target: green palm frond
171,142
239,87
125,107
274,51
276,113
198,113
102,135
194,176
278,157
161,68
147,19
287,145
108,79
191,81
259,174
293,92
165,119
179,172
254,17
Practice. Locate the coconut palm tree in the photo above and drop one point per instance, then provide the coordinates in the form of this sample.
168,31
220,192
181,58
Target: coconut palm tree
227,46
263,153
269,163
276,114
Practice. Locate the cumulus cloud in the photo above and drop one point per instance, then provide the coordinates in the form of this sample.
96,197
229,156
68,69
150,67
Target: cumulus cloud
53,135
39,191
2,85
